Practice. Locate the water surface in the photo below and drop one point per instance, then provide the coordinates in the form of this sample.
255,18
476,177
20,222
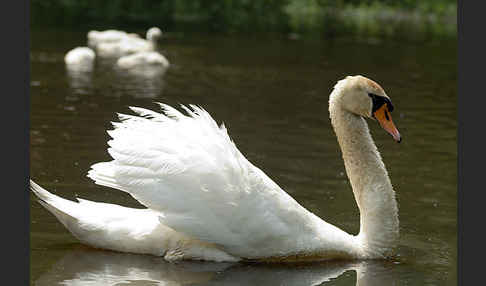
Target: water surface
272,95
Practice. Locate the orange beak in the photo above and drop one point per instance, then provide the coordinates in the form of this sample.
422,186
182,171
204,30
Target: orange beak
384,117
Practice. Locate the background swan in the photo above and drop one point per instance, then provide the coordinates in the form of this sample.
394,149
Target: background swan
206,201
143,59
130,45
80,58
108,36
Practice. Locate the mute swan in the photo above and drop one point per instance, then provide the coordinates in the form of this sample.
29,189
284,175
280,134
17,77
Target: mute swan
130,45
80,57
143,59
206,201
108,36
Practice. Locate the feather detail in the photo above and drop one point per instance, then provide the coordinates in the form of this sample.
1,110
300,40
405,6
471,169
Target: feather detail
188,168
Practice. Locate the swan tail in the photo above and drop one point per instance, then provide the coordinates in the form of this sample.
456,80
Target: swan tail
63,209
108,226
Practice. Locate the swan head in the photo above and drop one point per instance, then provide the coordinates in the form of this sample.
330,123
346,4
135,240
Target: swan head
153,34
364,97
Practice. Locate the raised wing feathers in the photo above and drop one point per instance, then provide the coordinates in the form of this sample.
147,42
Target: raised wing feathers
188,169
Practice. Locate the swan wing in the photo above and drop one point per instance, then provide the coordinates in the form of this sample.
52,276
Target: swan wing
187,168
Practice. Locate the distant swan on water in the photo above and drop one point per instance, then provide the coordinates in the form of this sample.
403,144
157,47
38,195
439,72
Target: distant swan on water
80,58
206,201
108,36
130,45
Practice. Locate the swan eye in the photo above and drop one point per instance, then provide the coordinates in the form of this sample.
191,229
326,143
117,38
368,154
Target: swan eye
378,102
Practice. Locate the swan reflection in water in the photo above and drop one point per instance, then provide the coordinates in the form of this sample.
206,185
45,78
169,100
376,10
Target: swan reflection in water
141,82
80,79
94,267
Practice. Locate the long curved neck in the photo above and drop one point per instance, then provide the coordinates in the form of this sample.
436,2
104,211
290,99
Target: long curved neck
153,41
372,188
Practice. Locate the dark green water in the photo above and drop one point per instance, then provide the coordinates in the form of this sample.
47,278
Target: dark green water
272,94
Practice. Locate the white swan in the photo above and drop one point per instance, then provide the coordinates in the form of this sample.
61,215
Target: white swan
80,58
143,59
130,45
108,36
206,201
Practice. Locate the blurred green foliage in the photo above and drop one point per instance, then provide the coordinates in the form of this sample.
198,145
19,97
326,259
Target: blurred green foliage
100,12
326,17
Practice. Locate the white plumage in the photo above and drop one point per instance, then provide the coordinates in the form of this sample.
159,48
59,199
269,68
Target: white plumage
108,36
193,164
206,201
128,45
80,56
143,59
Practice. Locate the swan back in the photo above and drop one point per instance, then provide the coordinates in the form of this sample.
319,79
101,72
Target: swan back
108,36
126,46
130,46
143,59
